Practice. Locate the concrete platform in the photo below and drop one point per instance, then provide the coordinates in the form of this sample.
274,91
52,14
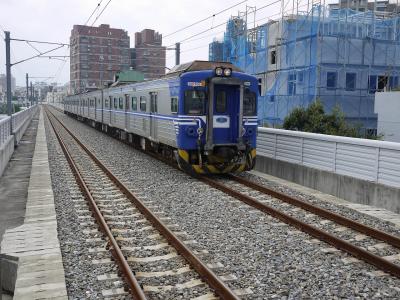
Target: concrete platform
377,212
34,247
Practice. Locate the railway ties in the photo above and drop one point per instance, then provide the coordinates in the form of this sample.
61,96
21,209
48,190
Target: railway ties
152,258
362,242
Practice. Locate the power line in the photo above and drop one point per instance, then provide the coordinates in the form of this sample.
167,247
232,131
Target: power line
224,23
40,42
101,12
205,19
97,7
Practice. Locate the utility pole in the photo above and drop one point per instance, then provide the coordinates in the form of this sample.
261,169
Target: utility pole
27,88
32,98
8,74
177,53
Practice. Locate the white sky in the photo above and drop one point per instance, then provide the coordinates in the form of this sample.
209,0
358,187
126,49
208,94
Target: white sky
52,20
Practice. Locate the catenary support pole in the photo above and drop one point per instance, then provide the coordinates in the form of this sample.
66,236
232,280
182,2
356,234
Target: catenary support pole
8,74
32,99
177,53
27,89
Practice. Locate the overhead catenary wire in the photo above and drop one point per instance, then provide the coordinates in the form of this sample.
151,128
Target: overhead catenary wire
101,13
224,23
205,19
97,7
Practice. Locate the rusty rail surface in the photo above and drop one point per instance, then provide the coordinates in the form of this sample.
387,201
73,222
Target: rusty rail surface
135,289
372,232
221,289
339,243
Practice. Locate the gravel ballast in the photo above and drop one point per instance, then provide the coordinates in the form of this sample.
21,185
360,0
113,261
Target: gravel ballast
273,259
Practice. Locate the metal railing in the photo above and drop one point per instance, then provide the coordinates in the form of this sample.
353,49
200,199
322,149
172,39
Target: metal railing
376,161
18,119
5,131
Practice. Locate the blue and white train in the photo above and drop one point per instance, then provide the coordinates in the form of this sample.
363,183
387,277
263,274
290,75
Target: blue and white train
203,114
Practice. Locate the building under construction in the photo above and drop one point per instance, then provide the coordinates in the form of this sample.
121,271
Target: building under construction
341,56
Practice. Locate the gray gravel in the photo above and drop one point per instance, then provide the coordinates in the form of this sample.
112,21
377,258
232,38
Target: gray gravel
274,260
80,273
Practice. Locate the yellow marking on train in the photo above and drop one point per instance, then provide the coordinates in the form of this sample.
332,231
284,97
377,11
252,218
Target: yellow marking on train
213,169
198,169
241,168
184,155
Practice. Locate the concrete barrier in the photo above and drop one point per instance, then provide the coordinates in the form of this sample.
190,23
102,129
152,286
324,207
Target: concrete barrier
346,187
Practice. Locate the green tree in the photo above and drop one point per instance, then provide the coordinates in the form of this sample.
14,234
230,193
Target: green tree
314,119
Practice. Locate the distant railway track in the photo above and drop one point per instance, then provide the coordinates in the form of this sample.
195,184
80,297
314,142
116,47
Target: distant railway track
288,216
111,203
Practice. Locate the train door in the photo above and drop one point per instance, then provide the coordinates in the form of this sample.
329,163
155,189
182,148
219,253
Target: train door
153,112
110,108
126,109
226,114
102,106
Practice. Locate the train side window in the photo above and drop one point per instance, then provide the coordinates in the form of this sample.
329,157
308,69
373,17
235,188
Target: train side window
153,102
195,102
115,103
220,104
174,104
249,103
142,103
134,103
121,103
106,103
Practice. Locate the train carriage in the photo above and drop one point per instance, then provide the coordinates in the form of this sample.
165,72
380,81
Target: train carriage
203,114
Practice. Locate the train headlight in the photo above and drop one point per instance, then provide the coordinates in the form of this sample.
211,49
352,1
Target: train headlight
227,72
219,71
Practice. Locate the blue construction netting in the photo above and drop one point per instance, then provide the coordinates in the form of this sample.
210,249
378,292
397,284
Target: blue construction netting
317,54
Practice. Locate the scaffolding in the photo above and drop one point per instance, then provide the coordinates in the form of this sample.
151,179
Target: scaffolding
341,56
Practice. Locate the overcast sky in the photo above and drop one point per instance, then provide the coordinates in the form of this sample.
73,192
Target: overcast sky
52,20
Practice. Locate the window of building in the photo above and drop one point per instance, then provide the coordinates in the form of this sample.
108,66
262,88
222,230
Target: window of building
300,76
142,103
351,81
372,84
259,86
174,104
292,84
195,102
134,103
115,103
331,80
382,82
393,82
220,103
272,57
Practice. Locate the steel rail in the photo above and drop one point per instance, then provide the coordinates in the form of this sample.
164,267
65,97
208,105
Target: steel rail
372,232
135,289
356,251
206,273
353,250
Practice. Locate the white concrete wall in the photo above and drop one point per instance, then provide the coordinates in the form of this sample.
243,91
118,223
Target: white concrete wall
387,106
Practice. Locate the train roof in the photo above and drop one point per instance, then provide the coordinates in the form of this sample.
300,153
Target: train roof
200,65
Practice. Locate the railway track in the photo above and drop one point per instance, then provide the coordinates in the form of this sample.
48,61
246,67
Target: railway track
363,242
152,260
